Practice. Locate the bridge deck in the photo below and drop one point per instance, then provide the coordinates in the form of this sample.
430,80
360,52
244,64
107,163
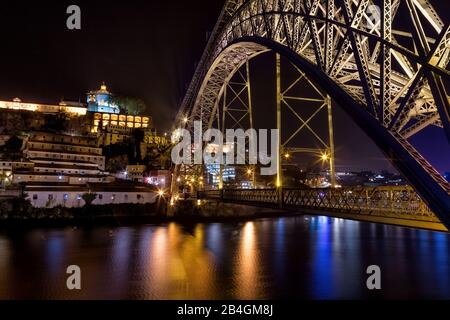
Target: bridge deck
392,205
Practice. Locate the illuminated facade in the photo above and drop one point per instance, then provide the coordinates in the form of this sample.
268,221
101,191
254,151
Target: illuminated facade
102,101
71,108
118,123
62,159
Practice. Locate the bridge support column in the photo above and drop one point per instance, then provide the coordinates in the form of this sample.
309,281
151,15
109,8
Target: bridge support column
331,134
279,183
279,142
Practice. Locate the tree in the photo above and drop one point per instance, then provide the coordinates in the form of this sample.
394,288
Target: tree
89,198
138,138
133,106
56,122
14,145
13,148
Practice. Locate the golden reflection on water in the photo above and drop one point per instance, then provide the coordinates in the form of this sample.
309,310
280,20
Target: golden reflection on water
179,265
247,269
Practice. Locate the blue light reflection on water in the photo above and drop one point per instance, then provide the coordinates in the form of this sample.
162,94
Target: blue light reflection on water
298,257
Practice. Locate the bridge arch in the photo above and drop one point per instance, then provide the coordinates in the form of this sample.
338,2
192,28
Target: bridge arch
292,28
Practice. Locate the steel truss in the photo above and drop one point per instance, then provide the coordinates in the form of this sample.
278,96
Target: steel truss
287,101
390,77
397,202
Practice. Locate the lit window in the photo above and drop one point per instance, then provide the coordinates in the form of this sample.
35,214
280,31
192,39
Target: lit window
66,197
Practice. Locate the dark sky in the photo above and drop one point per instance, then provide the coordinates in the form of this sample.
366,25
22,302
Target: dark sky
147,49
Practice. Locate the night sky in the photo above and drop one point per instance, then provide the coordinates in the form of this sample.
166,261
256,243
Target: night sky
147,49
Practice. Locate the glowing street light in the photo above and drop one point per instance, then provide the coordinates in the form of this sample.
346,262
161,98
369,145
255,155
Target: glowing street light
325,157
186,120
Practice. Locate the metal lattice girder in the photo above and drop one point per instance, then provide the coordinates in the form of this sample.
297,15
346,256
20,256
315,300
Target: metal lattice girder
385,98
399,202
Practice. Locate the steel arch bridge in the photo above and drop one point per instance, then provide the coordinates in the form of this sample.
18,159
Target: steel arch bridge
386,63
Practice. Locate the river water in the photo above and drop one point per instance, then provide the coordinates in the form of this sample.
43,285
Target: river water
299,257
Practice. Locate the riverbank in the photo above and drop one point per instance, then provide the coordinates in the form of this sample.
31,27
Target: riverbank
20,214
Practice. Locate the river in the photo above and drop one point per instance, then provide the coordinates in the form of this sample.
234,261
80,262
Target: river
300,257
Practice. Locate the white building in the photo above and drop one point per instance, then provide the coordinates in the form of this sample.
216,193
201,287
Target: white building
60,169
63,159
55,195
71,108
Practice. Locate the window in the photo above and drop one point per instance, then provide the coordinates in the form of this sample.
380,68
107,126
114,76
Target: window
139,197
66,197
78,197
113,197
126,197
50,197
100,197
35,196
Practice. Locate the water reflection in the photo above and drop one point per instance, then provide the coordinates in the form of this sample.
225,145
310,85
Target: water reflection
246,282
299,257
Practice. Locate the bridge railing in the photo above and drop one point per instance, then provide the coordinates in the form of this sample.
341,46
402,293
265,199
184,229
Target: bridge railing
384,201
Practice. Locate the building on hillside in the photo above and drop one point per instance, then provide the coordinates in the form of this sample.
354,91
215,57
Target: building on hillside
71,108
106,119
8,168
102,101
63,159
117,123
159,178
69,196
153,139
60,169
135,173
112,134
